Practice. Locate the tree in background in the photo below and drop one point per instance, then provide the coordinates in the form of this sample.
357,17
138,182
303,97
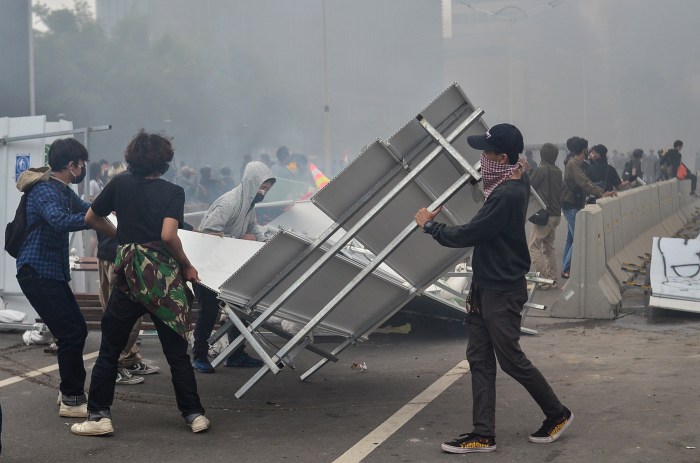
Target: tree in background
133,79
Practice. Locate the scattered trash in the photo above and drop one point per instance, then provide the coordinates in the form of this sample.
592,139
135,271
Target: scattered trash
39,334
690,448
402,329
359,366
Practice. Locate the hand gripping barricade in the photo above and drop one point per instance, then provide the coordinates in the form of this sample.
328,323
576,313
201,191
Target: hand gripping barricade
375,198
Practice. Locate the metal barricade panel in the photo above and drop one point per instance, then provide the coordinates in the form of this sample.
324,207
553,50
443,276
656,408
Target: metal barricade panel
375,298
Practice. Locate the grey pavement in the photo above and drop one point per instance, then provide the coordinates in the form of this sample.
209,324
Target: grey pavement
631,382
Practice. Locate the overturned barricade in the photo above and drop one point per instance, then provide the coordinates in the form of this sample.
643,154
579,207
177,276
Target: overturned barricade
312,283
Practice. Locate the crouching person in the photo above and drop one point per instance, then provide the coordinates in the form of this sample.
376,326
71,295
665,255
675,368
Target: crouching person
151,270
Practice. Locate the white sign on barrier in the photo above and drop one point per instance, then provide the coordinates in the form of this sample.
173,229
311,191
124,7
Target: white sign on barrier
675,272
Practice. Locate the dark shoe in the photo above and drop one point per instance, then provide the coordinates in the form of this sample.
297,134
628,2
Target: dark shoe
692,193
202,365
51,349
243,360
565,274
551,430
470,443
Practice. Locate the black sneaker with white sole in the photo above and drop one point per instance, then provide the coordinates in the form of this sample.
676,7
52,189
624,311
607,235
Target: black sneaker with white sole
552,429
470,443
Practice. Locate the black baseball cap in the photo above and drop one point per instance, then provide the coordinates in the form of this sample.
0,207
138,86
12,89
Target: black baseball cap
501,138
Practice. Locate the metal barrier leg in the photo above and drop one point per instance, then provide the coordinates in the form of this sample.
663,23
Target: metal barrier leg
259,349
322,362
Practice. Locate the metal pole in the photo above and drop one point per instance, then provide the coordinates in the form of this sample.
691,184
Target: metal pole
6,140
326,103
585,98
32,90
510,71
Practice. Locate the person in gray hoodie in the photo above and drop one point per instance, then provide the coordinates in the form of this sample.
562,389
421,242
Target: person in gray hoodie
547,182
231,215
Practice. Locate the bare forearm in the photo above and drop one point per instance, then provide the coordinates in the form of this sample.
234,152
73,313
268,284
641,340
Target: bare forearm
100,224
174,246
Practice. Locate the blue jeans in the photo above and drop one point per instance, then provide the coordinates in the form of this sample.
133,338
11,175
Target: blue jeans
206,319
55,303
570,216
117,322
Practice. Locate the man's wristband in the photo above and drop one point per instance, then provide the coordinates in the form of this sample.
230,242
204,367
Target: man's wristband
427,226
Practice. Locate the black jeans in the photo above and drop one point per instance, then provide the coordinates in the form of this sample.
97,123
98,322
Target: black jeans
693,181
494,333
55,303
117,321
209,309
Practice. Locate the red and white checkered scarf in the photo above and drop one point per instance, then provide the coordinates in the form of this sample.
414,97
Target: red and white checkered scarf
494,173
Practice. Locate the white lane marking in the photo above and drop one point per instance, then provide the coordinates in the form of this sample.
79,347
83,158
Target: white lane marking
40,371
375,438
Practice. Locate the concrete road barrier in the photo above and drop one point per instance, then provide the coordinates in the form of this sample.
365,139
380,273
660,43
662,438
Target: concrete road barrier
613,232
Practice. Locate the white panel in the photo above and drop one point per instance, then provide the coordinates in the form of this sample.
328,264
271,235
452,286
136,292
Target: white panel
216,258
675,269
303,218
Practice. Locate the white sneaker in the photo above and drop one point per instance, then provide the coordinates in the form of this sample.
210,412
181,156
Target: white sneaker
73,411
126,379
143,368
93,428
200,424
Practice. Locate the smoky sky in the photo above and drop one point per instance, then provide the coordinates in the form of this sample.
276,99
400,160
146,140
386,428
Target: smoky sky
622,73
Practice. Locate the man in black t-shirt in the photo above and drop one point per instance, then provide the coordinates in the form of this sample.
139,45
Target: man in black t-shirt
498,291
152,270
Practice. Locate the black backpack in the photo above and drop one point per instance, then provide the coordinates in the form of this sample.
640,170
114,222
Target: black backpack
17,231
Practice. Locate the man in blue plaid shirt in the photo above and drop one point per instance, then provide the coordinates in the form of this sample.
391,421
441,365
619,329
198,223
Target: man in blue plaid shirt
42,265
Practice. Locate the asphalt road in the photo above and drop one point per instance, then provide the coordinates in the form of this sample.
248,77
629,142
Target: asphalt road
631,382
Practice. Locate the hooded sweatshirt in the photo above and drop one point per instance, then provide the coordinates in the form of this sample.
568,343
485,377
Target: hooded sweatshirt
31,176
233,213
547,182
